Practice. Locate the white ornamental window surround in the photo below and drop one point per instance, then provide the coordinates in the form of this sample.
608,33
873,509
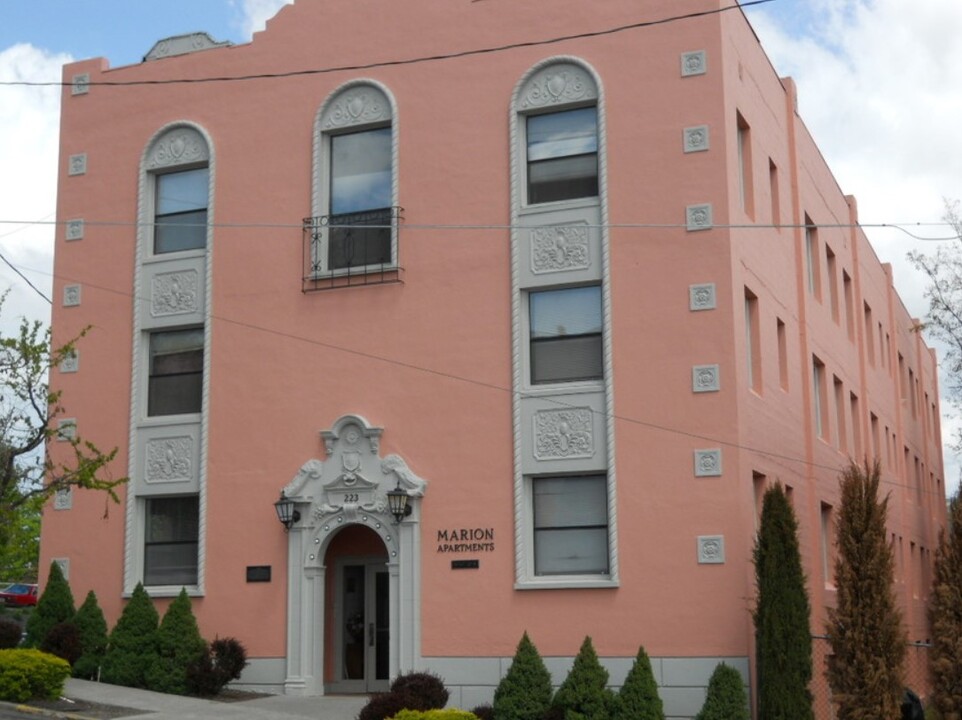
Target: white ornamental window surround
355,199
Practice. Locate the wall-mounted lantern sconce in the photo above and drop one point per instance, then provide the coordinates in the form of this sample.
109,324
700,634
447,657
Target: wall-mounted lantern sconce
286,512
397,500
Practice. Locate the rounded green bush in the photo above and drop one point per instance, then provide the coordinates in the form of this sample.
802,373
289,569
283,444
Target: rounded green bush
27,674
448,714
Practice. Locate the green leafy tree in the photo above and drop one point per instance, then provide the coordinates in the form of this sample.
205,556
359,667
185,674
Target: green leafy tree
783,639
92,627
132,644
179,646
29,412
524,693
584,695
638,698
945,614
20,542
55,606
865,628
726,698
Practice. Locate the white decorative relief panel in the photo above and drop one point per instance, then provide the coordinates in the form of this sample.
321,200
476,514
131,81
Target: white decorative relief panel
66,429
696,138
174,293
77,164
711,549
80,84
64,564
705,378
694,63
70,363
359,104
557,84
169,460
698,217
708,463
557,248
71,295
179,146
701,297
63,499
75,230
564,433
183,44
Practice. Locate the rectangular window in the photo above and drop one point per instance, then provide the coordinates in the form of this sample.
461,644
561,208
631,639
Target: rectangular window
869,330
773,187
856,426
360,201
562,155
565,331
180,210
570,525
903,383
828,543
753,349
170,541
881,348
830,265
849,305
819,399
745,184
841,440
876,439
782,354
176,372
759,482
811,256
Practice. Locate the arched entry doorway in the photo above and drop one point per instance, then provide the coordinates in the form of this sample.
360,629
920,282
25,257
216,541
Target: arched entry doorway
345,532
358,622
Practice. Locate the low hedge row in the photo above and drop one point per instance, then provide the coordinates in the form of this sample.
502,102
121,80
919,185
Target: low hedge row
27,674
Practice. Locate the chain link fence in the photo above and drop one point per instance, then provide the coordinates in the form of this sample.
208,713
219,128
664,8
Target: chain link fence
916,674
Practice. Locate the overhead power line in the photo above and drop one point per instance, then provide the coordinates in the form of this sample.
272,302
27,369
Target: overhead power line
402,61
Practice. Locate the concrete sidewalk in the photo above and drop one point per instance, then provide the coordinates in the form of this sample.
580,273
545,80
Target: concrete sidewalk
158,706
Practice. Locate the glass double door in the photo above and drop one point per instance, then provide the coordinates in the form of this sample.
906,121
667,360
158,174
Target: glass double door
364,632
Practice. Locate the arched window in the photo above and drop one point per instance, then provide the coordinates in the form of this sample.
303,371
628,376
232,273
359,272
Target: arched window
355,182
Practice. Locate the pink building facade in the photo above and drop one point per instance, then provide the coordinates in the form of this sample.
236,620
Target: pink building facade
582,301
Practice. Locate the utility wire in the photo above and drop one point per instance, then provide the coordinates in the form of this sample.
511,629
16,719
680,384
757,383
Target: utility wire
25,279
403,61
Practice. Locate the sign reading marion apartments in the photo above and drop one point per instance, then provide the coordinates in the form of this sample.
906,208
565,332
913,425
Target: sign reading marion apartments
458,540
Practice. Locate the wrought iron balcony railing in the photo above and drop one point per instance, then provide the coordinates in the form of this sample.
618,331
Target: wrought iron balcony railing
352,249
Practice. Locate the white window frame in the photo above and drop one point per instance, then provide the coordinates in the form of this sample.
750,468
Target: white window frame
356,106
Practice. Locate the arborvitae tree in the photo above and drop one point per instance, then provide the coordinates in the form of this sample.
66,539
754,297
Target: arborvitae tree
92,626
585,693
726,699
945,614
783,638
54,607
132,646
865,628
638,698
179,646
524,693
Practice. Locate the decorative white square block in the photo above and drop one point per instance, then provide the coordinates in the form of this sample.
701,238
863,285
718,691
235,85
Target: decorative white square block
63,499
694,63
80,84
64,564
71,295
698,217
71,363
708,463
701,297
711,549
696,138
66,429
77,164
75,230
705,378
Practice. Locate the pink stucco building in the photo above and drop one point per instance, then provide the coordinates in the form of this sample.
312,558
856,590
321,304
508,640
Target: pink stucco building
577,281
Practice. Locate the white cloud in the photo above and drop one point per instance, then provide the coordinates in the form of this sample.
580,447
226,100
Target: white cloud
878,84
256,13
29,122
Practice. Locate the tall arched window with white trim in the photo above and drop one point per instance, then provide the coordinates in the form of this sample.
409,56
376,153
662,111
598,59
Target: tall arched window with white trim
354,227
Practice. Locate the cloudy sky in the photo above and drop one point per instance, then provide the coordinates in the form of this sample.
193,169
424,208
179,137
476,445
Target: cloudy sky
880,89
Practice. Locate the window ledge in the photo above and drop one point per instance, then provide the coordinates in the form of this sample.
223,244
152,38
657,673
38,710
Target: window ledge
569,388
169,420
162,591
177,255
567,583
589,202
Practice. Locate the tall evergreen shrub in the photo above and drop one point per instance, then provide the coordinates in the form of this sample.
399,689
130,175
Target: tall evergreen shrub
524,693
584,694
726,699
55,606
132,645
783,639
638,698
865,628
179,646
92,627
945,614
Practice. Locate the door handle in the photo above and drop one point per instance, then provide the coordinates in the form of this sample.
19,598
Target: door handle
370,634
